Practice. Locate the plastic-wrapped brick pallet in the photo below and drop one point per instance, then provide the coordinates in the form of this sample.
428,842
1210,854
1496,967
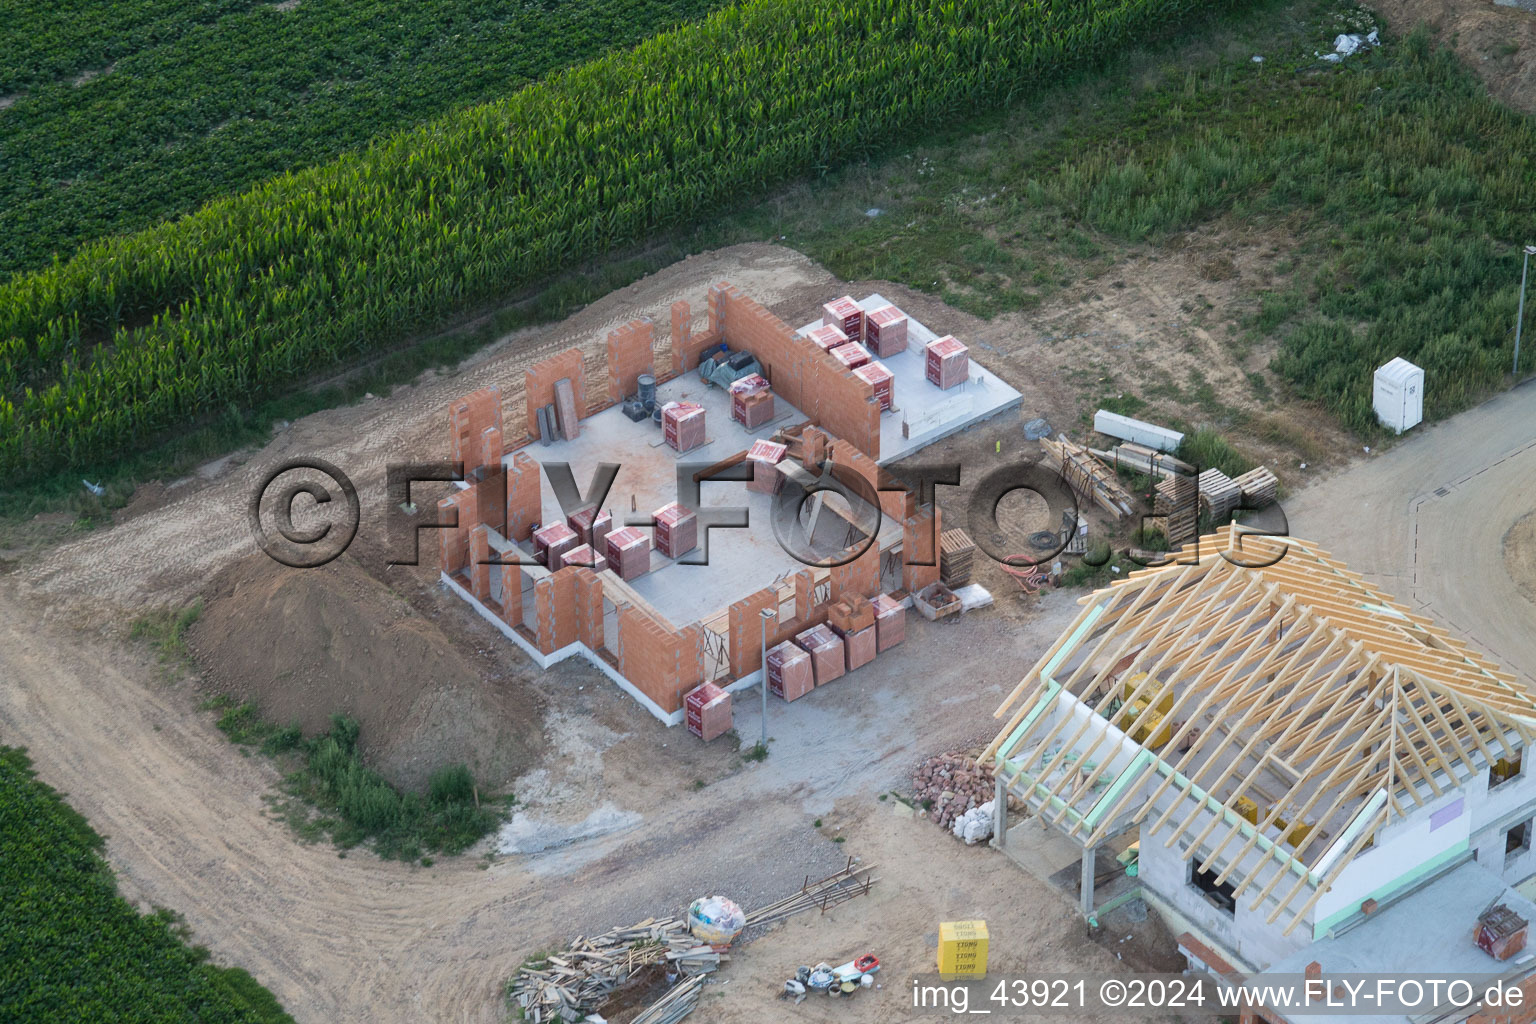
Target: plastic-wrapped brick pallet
885,330
827,337
790,675
948,362
851,356
677,530
628,553
764,458
683,425
846,315
881,381
826,652
890,621
707,710
553,541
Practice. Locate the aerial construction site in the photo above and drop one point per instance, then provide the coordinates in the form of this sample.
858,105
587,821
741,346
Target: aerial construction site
631,512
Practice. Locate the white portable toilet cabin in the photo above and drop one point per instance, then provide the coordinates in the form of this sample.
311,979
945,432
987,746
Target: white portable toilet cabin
1399,395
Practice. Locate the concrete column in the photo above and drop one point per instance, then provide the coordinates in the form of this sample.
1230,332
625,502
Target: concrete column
999,810
1085,892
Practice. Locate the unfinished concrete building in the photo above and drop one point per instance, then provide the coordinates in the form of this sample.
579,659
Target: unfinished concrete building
1306,764
619,582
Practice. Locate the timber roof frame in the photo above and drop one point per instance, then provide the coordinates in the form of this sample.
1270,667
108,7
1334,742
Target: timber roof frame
1305,670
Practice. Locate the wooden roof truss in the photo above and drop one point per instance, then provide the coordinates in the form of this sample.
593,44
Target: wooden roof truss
1306,710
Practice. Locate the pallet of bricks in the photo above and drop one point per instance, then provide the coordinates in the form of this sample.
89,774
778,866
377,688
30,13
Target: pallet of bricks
956,553
852,618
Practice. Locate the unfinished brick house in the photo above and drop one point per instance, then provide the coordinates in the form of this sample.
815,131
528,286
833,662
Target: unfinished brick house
676,623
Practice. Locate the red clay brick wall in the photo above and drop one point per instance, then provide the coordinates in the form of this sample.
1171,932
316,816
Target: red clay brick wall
479,556
511,595
554,610
861,576
629,355
744,630
540,381
686,346
788,362
588,604
491,447
468,419
453,544
919,543
524,497
844,406
662,664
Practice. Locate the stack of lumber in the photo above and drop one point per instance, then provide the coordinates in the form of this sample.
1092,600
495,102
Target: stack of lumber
675,1005
1258,486
1219,494
1089,478
570,985
1142,459
829,892
956,553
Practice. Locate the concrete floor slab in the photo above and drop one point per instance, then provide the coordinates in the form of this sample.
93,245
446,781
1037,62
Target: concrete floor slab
930,412
741,561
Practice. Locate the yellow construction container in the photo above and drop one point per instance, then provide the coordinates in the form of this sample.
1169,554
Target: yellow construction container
1248,810
963,949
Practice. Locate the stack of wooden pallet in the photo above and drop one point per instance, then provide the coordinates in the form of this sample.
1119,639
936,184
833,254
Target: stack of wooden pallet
1258,486
1088,477
1219,495
570,985
1177,498
956,552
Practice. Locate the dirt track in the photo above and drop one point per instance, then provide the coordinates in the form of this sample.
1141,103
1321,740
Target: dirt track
354,939
1429,519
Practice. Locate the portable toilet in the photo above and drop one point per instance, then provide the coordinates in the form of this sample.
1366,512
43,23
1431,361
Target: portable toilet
1399,395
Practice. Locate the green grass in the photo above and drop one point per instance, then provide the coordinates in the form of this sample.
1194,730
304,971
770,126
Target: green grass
207,97
355,804
756,752
140,333
1206,449
166,631
72,949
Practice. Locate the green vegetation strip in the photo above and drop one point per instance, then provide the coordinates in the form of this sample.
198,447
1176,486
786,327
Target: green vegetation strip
356,804
72,949
136,334
188,100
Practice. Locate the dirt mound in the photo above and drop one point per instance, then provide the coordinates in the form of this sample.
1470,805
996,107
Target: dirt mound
1520,554
304,644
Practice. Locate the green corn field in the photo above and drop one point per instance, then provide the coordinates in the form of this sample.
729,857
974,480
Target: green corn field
136,334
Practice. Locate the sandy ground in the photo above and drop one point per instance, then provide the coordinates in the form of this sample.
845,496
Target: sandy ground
1442,521
623,820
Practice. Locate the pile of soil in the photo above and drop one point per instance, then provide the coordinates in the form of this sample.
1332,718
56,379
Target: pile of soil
1520,554
303,644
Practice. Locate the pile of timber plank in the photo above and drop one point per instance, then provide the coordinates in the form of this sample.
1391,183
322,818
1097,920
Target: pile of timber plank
1259,487
1219,494
1145,460
572,984
678,1003
1088,477
956,553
